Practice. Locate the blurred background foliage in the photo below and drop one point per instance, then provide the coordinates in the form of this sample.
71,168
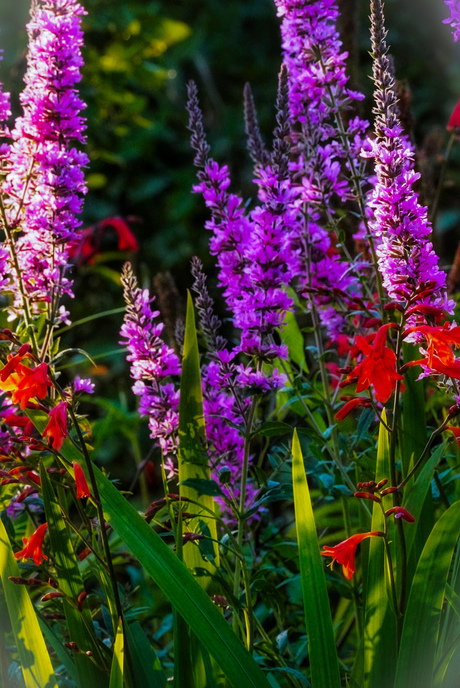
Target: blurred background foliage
139,55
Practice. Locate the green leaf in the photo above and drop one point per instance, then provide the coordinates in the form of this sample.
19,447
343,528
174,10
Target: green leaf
61,652
293,338
192,455
147,670
194,483
33,654
274,428
203,487
380,624
180,588
417,493
321,644
80,624
117,670
453,599
422,618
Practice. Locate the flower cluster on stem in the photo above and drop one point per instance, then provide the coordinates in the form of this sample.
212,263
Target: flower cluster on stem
406,258
44,180
152,361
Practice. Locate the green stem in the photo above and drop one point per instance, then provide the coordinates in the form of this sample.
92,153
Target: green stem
442,176
241,515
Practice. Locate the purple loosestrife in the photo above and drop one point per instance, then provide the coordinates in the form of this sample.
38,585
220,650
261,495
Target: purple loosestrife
325,147
454,19
253,251
44,182
406,258
152,362
224,407
5,114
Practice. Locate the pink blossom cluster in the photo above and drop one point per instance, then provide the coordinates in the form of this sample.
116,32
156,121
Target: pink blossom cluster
406,257
152,361
454,19
324,144
44,181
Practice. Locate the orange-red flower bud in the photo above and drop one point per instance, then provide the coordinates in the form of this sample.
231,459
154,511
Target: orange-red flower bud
388,490
400,512
367,495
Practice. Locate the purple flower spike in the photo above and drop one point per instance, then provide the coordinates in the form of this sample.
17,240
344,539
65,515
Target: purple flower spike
454,19
326,148
406,257
44,182
151,363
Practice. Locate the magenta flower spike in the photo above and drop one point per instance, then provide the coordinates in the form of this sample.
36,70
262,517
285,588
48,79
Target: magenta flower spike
454,19
407,261
324,146
152,361
45,183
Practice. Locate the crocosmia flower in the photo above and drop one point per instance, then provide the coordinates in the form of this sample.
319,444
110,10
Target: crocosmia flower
27,383
344,552
80,480
56,429
378,367
33,546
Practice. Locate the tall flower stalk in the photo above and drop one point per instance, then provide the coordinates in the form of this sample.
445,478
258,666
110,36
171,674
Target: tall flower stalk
44,180
406,259
152,361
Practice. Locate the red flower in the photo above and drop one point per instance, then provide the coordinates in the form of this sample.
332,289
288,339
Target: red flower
344,552
108,235
454,122
440,356
26,383
80,480
33,546
56,428
378,367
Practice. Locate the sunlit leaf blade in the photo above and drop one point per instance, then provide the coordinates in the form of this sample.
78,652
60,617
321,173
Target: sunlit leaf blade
71,584
33,654
321,644
379,620
192,455
181,589
193,467
421,621
117,669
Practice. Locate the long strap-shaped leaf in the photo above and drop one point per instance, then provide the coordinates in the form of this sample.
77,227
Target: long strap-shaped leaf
35,661
380,641
181,589
192,456
321,644
117,670
422,618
